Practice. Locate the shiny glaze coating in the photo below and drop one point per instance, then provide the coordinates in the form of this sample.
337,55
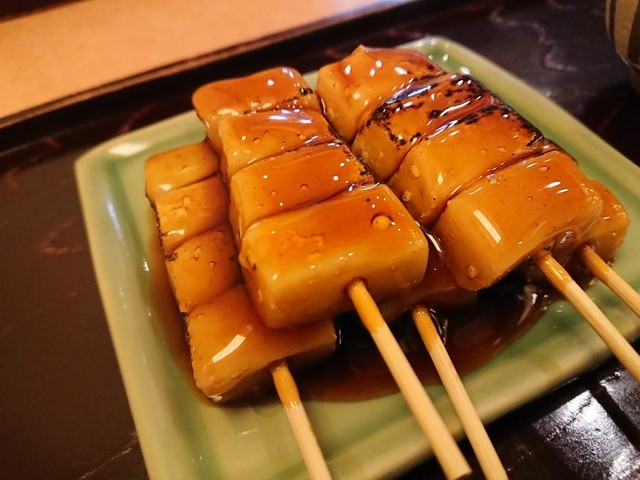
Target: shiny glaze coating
279,87
187,211
442,164
203,267
608,232
438,289
298,264
364,79
230,347
413,114
252,137
292,180
179,167
495,224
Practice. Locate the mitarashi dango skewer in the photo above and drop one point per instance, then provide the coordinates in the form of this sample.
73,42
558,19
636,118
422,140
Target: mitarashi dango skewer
316,235
362,97
488,187
232,352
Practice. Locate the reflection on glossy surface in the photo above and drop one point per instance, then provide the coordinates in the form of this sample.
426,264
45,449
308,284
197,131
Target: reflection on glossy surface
474,330
415,113
443,164
248,138
562,51
543,202
325,246
179,167
363,80
271,89
292,180
231,348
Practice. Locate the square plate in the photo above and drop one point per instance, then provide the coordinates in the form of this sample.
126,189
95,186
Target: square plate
183,436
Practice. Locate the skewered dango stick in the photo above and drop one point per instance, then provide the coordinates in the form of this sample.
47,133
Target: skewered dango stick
403,113
431,168
232,352
326,226
444,163
618,345
492,192
540,203
307,240
413,113
444,447
607,275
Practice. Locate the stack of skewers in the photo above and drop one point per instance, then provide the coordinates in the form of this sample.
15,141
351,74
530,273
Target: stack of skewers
301,205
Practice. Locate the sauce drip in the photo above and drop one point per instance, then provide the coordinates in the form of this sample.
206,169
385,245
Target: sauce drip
472,337
356,371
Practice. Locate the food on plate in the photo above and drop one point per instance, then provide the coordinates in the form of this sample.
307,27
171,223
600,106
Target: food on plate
491,227
231,349
274,212
298,264
272,89
306,224
282,183
248,138
486,185
607,233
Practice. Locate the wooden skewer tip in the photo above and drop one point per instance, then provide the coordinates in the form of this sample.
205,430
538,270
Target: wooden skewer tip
307,442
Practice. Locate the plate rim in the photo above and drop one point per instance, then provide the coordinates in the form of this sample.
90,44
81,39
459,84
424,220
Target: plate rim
94,161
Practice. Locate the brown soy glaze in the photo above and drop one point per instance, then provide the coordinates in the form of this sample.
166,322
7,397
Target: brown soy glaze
472,337
436,99
356,371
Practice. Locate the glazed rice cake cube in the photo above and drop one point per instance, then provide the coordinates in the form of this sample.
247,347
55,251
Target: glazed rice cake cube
298,264
498,222
413,114
354,86
179,167
271,89
203,267
188,211
231,349
442,164
249,138
292,180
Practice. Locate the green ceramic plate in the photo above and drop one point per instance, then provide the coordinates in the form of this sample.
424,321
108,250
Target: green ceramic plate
184,437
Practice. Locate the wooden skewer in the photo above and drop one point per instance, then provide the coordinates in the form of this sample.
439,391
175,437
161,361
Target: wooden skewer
562,281
476,433
610,278
445,448
299,421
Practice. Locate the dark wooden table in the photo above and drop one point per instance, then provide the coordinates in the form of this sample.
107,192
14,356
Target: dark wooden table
63,408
